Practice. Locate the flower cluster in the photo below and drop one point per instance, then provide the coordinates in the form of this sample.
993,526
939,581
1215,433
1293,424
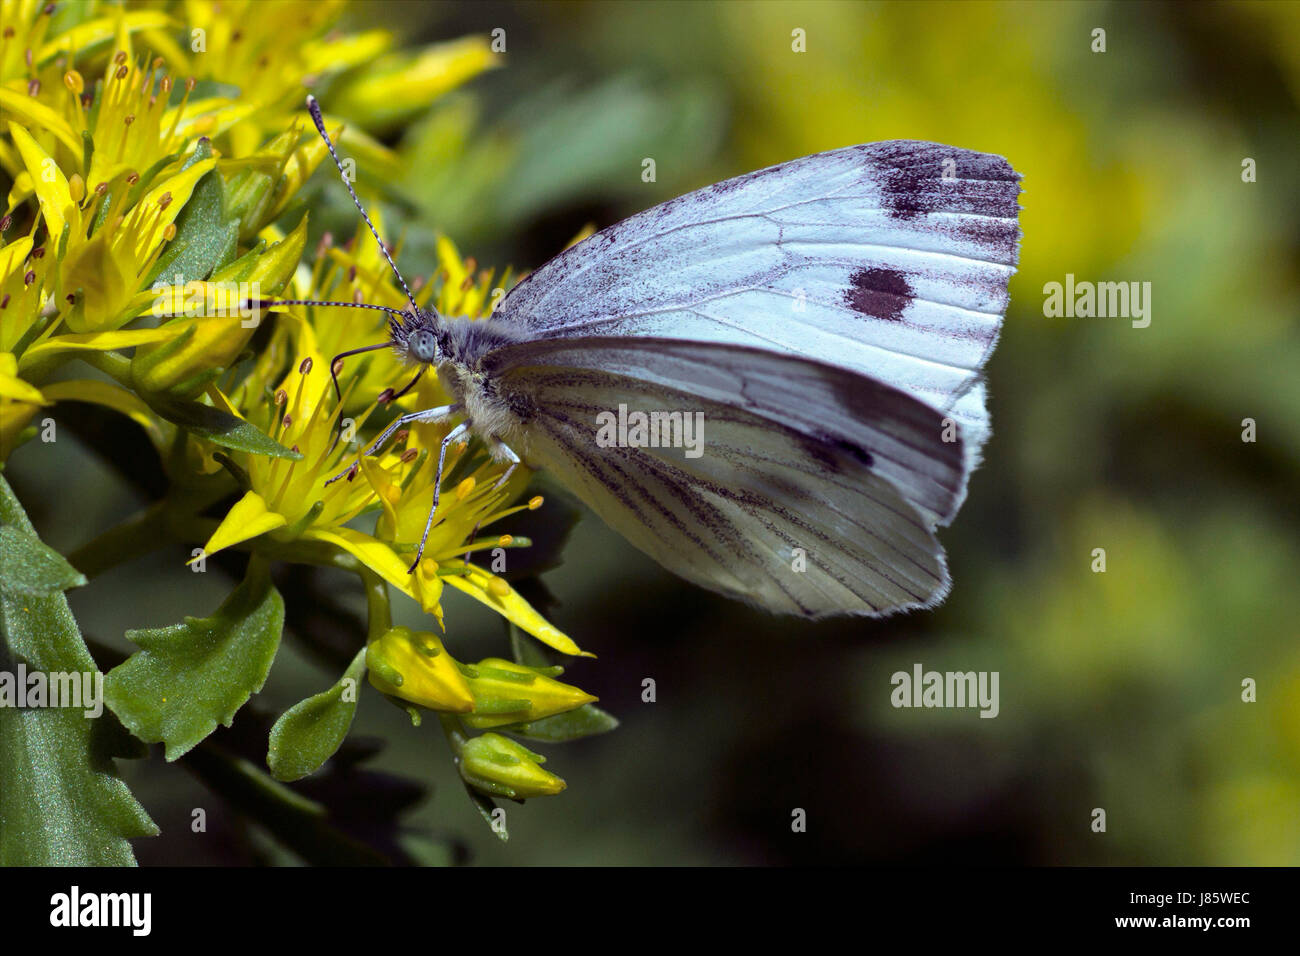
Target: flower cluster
156,157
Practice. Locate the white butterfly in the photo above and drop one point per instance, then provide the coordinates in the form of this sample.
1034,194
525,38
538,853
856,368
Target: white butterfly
829,317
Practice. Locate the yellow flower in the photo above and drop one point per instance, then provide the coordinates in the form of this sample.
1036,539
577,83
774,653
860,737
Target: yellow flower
395,85
417,668
266,50
291,500
500,767
155,153
466,505
289,497
101,274
213,326
271,51
510,693
133,127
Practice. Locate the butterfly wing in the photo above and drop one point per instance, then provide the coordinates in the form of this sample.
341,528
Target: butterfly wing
890,259
815,491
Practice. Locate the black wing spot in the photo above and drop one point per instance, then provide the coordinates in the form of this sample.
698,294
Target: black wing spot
856,452
831,451
882,293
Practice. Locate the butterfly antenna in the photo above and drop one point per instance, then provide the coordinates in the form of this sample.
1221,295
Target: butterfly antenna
314,108
274,303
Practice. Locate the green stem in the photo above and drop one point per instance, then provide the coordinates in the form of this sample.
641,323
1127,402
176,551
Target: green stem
455,733
112,364
141,534
379,612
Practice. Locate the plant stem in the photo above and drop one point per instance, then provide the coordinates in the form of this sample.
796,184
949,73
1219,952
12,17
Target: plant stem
379,612
455,734
142,533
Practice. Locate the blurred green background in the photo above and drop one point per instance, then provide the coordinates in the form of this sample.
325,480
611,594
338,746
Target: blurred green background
1119,690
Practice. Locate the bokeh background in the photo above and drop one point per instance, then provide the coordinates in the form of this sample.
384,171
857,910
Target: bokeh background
1120,690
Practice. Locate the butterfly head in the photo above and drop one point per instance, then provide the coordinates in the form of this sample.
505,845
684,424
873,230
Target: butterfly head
419,337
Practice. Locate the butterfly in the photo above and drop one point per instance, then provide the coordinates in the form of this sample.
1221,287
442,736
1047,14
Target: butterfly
825,322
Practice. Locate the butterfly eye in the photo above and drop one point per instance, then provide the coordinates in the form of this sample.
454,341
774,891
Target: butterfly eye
423,346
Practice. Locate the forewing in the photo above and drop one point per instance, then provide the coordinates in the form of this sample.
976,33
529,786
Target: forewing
816,490
891,259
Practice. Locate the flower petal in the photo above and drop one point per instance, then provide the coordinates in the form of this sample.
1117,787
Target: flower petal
13,255
149,219
102,283
107,394
49,182
247,519
511,606
14,388
83,36
93,342
400,83
377,555
33,112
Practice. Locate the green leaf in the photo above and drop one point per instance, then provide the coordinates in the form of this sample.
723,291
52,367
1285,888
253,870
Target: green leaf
29,566
312,730
583,721
189,677
220,428
61,801
205,236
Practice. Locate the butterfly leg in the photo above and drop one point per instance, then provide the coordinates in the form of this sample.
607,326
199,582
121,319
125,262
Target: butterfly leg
338,432
427,415
452,435
503,452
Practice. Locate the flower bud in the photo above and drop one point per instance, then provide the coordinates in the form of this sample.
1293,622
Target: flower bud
202,346
499,766
510,693
414,666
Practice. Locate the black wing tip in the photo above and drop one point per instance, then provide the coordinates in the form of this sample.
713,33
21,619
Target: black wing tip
922,157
